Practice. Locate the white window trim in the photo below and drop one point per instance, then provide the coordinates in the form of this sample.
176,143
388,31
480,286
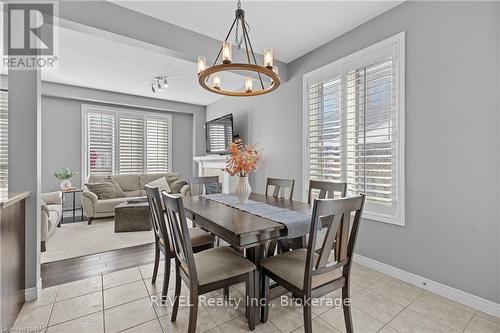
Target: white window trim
329,71
117,112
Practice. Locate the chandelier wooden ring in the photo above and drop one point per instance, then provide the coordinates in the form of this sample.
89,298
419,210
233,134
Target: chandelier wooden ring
204,75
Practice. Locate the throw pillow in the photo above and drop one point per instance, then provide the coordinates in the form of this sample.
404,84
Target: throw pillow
102,190
161,183
118,189
176,185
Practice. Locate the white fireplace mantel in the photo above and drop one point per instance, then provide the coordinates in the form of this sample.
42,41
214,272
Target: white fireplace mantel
213,162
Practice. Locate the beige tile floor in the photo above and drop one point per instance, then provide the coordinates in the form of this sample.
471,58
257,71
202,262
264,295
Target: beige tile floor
120,302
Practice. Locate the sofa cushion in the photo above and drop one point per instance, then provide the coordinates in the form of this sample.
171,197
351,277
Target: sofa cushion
52,222
118,189
133,185
175,186
129,194
161,184
108,206
127,182
147,178
102,190
96,179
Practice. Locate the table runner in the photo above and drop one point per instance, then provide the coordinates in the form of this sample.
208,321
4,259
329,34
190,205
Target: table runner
297,224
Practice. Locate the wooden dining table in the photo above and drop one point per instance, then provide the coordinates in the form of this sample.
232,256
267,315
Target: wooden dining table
243,230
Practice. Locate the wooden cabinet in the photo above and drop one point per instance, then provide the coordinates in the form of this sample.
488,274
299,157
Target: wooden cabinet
12,256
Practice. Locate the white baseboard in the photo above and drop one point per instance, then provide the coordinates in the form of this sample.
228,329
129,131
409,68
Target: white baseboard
456,295
31,294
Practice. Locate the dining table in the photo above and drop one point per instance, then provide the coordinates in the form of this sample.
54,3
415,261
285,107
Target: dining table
244,231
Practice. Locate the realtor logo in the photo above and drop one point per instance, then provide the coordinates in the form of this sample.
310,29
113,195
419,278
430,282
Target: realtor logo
29,35
30,29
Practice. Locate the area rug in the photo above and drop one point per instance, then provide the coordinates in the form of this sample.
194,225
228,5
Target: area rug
79,239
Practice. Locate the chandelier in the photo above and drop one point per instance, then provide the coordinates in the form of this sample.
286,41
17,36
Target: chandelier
266,75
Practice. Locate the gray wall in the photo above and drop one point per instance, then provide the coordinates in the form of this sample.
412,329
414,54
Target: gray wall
62,129
24,145
452,140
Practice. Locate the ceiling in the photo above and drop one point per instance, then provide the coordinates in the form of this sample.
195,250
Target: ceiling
292,28
94,62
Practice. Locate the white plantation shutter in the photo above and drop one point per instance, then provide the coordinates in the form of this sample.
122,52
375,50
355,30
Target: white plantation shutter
325,136
100,137
355,127
131,145
157,147
142,145
371,131
4,149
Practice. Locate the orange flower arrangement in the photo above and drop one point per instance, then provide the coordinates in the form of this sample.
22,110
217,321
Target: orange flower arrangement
242,159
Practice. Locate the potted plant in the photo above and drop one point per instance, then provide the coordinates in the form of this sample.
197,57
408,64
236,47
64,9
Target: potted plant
241,161
64,175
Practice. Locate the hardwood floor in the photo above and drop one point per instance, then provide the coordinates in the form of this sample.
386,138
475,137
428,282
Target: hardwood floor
63,271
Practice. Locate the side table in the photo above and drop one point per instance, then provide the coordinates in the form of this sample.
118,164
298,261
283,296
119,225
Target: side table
74,208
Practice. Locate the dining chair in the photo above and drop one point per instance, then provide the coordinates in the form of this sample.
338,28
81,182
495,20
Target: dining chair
206,271
326,190
280,186
204,185
320,189
311,274
200,239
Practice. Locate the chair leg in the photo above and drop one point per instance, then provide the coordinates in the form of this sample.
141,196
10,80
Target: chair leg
157,262
177,292
347,309
251,297
193,312
265,297
226,293
166,278
306,308
271,249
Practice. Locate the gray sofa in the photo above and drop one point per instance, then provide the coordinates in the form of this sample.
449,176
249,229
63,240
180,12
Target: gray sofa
132,186
52,213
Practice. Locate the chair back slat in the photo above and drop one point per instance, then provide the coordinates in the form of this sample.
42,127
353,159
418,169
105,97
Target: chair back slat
328,242
156,213
326,189
204,185
179,232
280,186
343,237
339,234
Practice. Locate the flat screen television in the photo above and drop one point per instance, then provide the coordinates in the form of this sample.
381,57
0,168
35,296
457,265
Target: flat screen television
219,133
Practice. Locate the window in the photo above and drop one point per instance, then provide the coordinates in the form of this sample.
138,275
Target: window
131,144
4,148
354,127
157,138
121,141
100,140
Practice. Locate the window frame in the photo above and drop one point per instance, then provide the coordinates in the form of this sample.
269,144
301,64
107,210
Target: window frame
118,113
341,67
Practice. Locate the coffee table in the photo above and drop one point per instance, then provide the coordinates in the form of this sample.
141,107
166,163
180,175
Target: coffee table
132,217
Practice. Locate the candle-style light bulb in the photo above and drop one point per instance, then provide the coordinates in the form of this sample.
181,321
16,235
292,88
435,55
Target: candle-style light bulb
202,64
216,81
268,58
248,84
227,52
